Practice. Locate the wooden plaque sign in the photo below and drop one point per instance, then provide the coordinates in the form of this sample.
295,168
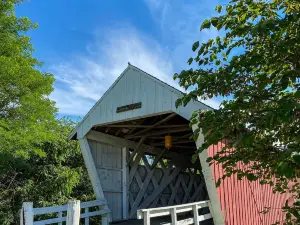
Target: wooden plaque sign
129,107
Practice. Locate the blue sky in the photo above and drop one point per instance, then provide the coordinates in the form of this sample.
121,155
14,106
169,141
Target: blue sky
87,44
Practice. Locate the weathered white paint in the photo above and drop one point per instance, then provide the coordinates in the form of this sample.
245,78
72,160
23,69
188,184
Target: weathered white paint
173,211
59,217
215,206
173,216
28,213
73,213
120,142
108,161
124,182
156,97
91,168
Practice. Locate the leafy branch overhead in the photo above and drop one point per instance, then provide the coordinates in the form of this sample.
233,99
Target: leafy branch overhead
254,66
37,163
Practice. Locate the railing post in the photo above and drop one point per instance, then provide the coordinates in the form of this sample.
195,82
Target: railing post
196,214
27,213
173,216
60,216
104,219
73,213
87,219
147,218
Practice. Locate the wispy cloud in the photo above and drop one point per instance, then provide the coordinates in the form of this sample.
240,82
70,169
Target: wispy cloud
82,79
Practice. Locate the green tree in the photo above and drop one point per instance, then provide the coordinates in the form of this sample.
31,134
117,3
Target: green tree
255,66
37,163
52,179
25,109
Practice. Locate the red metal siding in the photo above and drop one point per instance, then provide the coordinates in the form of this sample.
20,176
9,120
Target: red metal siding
241,200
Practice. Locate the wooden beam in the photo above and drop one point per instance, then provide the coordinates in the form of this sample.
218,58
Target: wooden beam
183,146
145,126
91,168
118,131
174,142
136,150
162,186
161,132
141,192
133,129
187,135
93,174
121,142
157,158
215,208
156,124
125,188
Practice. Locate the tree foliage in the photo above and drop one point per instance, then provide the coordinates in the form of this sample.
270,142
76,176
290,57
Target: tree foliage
52,179
37,163
254,64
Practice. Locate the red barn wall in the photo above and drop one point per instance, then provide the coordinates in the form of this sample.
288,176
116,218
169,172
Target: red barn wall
241,200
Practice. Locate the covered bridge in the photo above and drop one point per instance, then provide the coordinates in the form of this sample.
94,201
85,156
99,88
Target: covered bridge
137,147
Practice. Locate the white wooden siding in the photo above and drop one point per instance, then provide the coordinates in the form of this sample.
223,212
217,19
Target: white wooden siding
108,161
131,87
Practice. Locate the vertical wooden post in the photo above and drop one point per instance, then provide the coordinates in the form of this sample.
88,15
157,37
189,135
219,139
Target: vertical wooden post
86,219
92,171
124,182
91,168
105,219
146,218
73,213
21,216
173,216
196,215
215,209
60,216
28,213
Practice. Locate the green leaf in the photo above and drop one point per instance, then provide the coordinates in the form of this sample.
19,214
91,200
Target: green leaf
251,177
175,76
218,183
40,152
178,102
219,8
195,46
190,61
262,182
287,170
205,25
214,21
297,159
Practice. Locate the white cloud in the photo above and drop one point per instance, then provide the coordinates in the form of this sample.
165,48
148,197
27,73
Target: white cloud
180,22
83,78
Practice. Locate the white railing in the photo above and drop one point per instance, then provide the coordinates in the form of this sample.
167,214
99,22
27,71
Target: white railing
146,214
71,217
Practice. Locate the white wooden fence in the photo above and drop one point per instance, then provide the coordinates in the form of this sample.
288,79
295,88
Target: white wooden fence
173,210
72,217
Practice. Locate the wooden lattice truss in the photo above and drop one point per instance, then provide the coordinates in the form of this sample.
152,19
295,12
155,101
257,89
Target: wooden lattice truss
155,181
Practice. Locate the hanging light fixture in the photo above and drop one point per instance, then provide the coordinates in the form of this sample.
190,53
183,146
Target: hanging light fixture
168,141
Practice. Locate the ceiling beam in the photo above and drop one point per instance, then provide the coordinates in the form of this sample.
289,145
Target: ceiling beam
154,125
175,142
160,132
146,126
136,150
184,146
133,129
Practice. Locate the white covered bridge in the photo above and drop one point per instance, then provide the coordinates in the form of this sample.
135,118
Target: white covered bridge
137,147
